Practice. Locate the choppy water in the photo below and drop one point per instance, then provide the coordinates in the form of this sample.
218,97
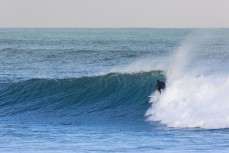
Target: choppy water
93,90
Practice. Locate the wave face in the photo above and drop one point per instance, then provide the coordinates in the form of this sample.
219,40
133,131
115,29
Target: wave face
113,95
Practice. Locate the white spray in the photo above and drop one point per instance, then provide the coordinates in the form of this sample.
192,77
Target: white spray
191,101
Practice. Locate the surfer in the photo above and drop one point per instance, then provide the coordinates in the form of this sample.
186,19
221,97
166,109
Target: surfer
160,86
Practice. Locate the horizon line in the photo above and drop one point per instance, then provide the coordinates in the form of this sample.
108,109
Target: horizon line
113,27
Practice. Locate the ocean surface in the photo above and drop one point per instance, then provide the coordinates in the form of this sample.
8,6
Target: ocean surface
94,90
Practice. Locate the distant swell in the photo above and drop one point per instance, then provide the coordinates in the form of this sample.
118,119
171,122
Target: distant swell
111,95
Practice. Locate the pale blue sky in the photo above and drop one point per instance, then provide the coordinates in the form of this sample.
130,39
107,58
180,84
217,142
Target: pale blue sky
114,13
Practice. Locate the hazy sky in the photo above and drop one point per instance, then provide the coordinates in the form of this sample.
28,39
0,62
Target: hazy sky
114,13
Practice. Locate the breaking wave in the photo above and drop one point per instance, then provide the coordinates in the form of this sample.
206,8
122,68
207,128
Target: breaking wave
113,95
196,95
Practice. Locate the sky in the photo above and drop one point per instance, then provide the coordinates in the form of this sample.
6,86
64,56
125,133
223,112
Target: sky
115,13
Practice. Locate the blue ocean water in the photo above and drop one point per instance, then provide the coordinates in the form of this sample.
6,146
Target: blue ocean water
93,90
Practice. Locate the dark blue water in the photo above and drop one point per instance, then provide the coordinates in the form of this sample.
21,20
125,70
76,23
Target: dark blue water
87,90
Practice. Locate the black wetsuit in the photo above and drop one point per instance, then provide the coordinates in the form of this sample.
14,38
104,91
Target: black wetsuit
160,86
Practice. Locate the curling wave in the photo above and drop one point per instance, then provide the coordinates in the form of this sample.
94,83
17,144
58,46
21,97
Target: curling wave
111,95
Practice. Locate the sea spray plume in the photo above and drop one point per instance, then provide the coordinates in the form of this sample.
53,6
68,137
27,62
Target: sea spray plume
179,61
191,101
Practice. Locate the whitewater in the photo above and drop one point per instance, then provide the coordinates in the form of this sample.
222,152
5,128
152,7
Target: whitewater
94,90
195,97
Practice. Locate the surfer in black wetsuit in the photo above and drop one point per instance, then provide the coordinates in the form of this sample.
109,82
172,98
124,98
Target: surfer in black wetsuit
160,86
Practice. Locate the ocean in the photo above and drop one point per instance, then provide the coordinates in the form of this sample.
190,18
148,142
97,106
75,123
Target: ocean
94,90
